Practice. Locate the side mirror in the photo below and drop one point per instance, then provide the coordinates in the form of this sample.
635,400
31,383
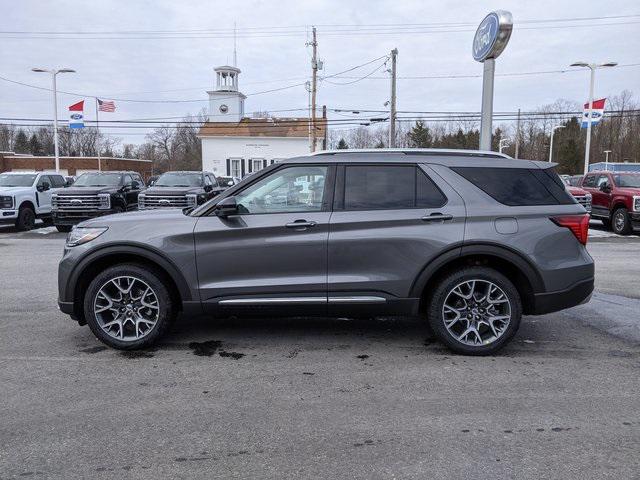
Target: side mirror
226,207
135,185
208,188
43,187
605,187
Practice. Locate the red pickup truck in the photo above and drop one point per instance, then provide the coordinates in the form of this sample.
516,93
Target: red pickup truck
615,199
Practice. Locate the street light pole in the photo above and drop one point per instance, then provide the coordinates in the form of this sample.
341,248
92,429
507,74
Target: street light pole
553,130
606,159
592,67
53,73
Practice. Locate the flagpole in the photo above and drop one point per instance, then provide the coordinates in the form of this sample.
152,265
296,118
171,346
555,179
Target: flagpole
98,135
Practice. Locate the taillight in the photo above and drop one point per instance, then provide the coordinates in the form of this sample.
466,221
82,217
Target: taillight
578,224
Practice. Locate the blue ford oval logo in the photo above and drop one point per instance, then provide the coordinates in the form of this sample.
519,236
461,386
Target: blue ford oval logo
76,116
485,37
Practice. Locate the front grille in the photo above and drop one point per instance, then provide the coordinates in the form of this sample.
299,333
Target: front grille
585,201
75,203
164,201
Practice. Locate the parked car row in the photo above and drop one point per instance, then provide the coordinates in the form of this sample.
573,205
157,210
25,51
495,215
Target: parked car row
64,201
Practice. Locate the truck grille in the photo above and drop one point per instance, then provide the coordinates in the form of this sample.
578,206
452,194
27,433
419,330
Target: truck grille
585,201
146,202
75,203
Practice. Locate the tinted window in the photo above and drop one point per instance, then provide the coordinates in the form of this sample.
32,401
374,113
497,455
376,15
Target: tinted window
627,180
97,179
589,181
57,181
602,179
374,187
518,186
44,179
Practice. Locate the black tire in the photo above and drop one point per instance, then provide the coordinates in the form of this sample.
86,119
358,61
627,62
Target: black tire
606,222
437,299
64,228
26,219
620,221
166,313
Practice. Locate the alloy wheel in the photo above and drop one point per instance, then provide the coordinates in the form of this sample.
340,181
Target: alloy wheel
126,308
476,312
619,221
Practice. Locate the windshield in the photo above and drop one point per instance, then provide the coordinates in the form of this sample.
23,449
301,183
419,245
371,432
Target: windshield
98,180
13,180
179,180
627,180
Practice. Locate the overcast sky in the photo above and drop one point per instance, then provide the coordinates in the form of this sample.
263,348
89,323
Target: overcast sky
118,66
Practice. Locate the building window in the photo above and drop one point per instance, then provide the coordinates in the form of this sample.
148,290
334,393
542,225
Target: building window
236,167
257,164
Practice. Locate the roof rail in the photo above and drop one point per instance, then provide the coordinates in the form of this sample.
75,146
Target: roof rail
417,151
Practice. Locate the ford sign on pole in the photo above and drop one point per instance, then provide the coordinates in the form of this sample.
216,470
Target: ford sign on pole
489,41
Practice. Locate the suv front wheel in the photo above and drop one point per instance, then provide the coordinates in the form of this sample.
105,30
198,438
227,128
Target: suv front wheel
128,306
475,310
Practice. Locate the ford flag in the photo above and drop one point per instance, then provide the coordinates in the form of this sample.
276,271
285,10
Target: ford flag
597,112
76,115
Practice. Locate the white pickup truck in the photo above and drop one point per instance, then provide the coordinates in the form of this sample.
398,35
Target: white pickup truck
25,196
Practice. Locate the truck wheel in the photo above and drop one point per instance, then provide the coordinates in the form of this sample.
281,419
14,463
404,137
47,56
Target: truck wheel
26,219
475,310
128,306
620,222
64,228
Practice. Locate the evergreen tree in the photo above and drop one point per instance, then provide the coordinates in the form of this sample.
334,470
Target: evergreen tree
34,145
21,143
420,136
342,145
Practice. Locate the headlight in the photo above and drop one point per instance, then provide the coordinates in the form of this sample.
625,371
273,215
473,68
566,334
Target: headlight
6,202
636,204
105,201
192,200
81,235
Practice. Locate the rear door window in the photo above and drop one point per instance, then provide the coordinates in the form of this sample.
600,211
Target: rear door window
389,187
518,186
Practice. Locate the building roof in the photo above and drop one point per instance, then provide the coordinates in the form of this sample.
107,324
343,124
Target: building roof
263,127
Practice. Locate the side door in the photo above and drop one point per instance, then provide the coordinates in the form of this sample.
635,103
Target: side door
601,199
43,195
273,252
216,188
130,193
389,222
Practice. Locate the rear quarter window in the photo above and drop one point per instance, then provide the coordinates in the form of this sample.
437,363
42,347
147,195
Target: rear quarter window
518,186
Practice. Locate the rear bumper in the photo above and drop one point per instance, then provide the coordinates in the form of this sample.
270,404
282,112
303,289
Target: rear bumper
549,302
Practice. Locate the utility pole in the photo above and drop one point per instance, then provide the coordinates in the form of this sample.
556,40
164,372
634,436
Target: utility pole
392,106
518,135
314,88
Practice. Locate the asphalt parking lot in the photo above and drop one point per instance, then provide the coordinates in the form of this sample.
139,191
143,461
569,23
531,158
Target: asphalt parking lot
303,398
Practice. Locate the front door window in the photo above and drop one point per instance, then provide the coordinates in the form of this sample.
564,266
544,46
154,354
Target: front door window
291,189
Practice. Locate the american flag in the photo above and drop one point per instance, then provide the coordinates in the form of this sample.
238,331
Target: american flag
106,106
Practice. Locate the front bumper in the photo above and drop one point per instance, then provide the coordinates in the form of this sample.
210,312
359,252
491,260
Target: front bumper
549,302
8,216
73,218
635,220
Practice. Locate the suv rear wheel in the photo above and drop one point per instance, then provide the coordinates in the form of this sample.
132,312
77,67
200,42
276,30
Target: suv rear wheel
26,219
620,222
128,306
475,310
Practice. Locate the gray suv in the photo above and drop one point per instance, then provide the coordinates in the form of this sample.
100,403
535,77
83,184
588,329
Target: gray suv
468,240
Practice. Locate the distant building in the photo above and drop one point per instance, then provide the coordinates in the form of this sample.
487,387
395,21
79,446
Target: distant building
615,166
12,162
235,145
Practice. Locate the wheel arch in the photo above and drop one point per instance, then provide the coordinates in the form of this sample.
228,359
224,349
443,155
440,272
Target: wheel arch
27,203
102,258
510,263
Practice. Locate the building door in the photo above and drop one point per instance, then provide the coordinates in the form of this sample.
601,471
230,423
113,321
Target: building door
275,249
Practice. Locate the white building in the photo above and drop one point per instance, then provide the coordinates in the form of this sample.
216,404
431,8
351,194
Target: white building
235,145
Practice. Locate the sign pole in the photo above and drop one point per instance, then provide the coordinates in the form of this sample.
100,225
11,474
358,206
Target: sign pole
489,68
589,120
98,136
490,40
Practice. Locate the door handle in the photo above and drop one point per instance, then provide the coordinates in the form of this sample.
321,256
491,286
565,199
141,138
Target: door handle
437,217
301,224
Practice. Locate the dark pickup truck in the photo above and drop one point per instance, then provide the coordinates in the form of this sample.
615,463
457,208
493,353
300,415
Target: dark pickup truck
93,195
180,190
